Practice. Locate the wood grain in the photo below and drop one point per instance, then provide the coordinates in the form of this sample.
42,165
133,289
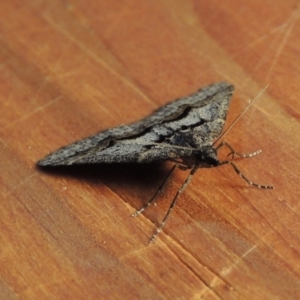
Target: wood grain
72,68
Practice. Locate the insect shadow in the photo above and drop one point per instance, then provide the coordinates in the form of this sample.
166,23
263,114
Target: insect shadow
137,177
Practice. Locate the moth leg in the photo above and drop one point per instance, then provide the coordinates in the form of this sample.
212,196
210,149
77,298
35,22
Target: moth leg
181,165
244,177
184,185
154,196
233,152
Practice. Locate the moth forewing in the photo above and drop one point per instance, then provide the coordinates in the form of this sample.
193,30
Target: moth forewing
194,121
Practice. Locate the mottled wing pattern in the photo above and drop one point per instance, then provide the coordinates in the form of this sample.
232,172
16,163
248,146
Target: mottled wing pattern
172,131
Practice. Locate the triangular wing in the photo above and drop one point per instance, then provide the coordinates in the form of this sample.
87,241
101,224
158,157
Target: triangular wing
193,121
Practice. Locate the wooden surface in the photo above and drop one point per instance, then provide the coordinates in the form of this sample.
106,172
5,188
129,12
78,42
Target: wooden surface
72,68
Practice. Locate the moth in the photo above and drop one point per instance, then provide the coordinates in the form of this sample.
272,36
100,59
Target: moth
184,131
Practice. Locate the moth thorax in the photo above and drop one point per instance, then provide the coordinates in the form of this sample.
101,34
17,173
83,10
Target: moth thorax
207,157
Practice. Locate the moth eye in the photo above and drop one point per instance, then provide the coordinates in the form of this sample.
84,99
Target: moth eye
184,127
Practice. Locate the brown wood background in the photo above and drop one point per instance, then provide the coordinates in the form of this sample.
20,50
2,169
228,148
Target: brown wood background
74,67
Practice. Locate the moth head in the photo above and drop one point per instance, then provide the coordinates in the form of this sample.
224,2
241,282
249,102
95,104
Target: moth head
208,157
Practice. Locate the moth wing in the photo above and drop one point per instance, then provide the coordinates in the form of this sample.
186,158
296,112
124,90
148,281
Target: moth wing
139,142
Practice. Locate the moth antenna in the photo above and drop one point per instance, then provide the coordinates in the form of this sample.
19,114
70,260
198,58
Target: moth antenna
241,114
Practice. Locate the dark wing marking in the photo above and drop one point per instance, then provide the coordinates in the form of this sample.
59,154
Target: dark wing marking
193,121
